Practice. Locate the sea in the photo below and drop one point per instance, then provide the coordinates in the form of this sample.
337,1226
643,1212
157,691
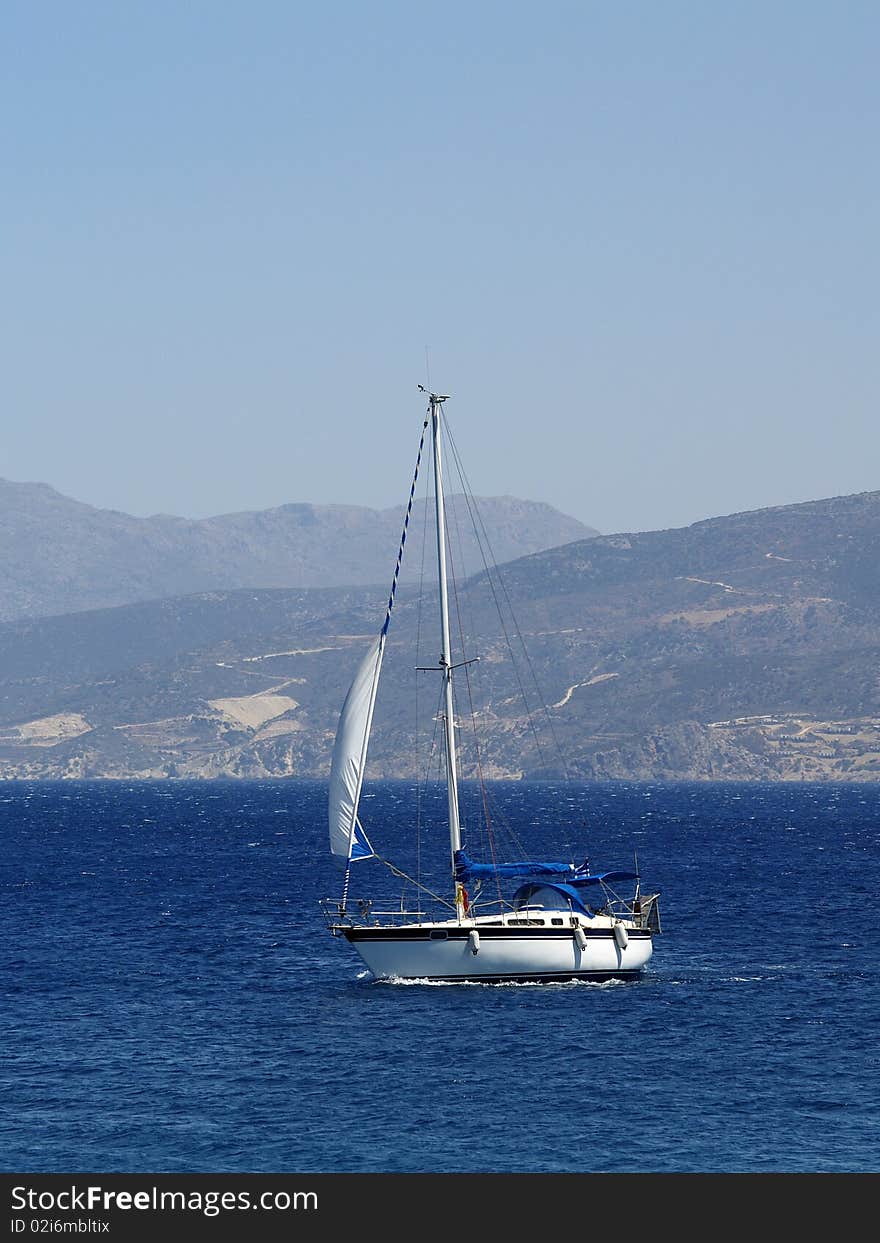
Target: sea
173,1002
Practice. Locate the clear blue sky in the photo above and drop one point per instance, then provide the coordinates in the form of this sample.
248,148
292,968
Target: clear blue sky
640,241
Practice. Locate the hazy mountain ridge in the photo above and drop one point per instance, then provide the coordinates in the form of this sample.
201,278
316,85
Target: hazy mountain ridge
745,647
58,555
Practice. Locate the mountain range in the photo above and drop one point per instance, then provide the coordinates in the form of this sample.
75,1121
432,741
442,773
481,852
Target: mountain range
740,648
58,555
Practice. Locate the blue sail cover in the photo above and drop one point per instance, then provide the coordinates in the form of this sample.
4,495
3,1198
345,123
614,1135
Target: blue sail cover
466,869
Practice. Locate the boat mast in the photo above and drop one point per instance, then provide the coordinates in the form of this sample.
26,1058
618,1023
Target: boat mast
436,403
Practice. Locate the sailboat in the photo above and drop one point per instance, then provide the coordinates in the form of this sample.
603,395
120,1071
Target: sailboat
560,921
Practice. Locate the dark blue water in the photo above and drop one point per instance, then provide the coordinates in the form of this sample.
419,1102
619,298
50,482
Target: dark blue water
172,1002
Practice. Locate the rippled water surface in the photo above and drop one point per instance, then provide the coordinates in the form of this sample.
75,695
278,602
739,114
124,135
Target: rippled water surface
172,1001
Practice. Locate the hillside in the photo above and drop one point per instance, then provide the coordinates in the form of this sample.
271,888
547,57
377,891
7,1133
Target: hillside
59,556
743,648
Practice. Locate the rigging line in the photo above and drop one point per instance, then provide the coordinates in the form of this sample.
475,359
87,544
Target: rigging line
419,612
424,773
434,752
438,753
474,510
484,794
537,686
486,801
383,634
492,813
403,535
403,876
490,836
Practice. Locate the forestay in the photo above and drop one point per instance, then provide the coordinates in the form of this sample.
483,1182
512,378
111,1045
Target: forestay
348,841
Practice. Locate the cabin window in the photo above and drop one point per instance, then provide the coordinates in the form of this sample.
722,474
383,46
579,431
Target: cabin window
439,934
526,923
557,921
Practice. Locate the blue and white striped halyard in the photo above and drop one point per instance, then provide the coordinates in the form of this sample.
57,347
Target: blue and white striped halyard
412,493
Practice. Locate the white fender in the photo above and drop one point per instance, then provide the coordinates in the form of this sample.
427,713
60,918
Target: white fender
621,936
580,938
474,941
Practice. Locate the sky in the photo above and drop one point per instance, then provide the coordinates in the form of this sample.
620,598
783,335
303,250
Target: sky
637,243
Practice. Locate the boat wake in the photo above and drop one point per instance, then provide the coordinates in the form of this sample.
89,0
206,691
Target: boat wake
424,982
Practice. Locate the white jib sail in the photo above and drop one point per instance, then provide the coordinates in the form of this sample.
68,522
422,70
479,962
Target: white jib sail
347,838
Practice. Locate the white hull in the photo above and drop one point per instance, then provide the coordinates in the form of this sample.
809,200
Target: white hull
445,952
